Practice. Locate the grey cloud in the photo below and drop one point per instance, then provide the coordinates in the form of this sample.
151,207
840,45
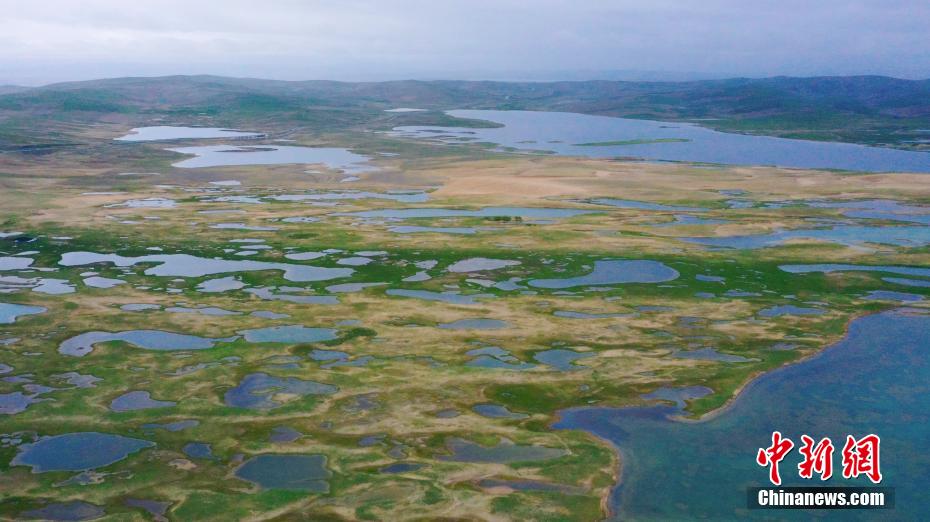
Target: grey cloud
54,40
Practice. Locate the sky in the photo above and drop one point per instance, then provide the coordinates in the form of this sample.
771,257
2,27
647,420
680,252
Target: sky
45,41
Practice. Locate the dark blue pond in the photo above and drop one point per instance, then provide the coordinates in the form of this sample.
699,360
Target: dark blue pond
876,380
291,472
77,451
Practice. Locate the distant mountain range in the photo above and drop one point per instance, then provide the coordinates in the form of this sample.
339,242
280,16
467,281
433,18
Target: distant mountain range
864,109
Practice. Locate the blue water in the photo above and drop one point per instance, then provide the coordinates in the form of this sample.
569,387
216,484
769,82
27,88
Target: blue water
562,359
522,212
10,312
65,511
82,344
780,310
475,324
77,451
198,450
496,411
446,297
644,205
137,400
614,272
504,451
411,229
876,380
229,155
289,472
164,132
906,236
833,267
887,209
291,334
183,265
260,391
402,197
561,132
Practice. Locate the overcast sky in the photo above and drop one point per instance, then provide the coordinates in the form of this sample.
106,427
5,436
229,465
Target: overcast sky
44,41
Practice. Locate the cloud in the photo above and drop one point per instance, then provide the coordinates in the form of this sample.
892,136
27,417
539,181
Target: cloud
53,40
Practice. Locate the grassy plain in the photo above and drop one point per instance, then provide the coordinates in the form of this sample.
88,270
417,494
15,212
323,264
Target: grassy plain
416,370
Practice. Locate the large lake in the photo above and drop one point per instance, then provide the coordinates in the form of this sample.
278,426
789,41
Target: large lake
563,132
876,380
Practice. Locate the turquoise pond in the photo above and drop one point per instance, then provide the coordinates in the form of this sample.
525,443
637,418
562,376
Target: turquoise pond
876,380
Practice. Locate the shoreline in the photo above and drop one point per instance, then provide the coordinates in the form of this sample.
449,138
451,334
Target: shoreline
709,416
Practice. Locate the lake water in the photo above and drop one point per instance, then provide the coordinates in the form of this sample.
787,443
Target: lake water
828,268
480,264
230,155
513,212
77,451
876,380
165,132
412,229
475,324
906,236
82,344
561,359
446,297
10,312
184,265
643,205
564,132
610,272
290,472
402,197
291,334
137,400
260,391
